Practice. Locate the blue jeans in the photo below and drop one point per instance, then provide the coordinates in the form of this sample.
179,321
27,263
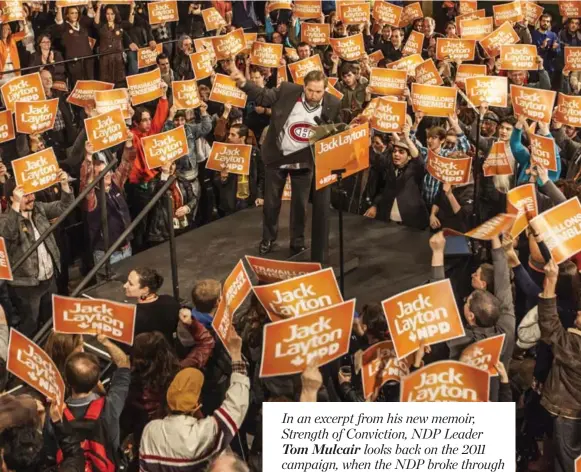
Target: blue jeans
567,439
117,256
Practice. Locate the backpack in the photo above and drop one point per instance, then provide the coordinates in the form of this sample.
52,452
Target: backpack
92,431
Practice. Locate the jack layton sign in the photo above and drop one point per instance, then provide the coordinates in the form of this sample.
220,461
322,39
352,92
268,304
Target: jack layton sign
36,171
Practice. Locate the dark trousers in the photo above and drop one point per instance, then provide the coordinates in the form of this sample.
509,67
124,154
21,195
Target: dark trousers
33,304
275,180
567,439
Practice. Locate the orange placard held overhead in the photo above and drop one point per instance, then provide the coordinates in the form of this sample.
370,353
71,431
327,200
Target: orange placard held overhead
202,64
427,313
446,381
36,171
427,74
281,75
492,228
5,269
535,104
225,90
94,316
414,44
163,12
543,152
108,100
185,94
387,81
531,12
448,169
522,202
465,71
467,6
106,130
266,54
475,15
387,13
490,89
270,271
144,87
280,5
333,91
351,48
307,9
476,29
316,34
560,228
249,38
408,63
26,88
518,57
455,49
498,161
299,69
83,95
572,58
33,366
375,57
228,45
205,45
12,10
355,13
511,12
568,110
236,158
147,57
35,117
212,19
570,8
433,100
323,336
484,354
410,13
7,132
163,148
347,150
504,35
380,365
389,116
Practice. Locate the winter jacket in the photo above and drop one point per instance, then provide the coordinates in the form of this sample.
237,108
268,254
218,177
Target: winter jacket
523,157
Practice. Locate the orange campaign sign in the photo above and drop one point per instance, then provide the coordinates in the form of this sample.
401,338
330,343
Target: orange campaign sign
467,6
307,9
224,90
106,130
475,15
427,74
163,148
163,12
108,100
5,269
347,150
498,162
522,202
300,295
36,171
484,354
492,228
290,345
202,64
469,70
26,88
389,116
270,271
560,228
387,81
287,191
375,57
535,104
228,45
511,12
570,9
7,132
568,111
387,13
281,5
518,57
299,69
410,13
316,34
236,158
147,57
94,316
532,12
380,365
185,94
35,117
414,44
578,464
455,49
32,365
83,95
408,63
427,313
70,3
490,89
350,48
12,10
355,13
572,58
504,35
448,169
333,91
476,29
205,45
543,152
249,38
433,100
212,19
281,75
446,381
266,54
144,87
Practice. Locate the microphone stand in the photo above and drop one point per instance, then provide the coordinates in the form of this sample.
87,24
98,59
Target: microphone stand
339,173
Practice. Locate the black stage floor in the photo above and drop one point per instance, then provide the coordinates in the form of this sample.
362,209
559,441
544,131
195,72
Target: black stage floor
392,258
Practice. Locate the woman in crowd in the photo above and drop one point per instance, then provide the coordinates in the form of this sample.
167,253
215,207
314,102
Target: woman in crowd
9,58
46,56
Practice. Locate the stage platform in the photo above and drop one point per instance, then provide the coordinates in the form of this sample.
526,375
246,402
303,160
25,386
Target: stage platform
391,257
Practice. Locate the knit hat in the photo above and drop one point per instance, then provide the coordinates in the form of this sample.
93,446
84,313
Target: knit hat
184,392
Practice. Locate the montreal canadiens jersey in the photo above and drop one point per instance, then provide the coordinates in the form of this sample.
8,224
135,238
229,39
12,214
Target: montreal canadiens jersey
299,127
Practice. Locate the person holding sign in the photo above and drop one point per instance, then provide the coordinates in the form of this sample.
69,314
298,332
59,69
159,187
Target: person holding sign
546,41
35,280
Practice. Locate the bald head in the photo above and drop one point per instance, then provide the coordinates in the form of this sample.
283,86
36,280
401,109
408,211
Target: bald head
82,372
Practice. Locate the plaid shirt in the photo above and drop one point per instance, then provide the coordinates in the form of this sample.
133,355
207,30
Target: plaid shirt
431,186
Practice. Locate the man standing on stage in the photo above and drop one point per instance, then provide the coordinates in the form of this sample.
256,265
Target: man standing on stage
296,110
